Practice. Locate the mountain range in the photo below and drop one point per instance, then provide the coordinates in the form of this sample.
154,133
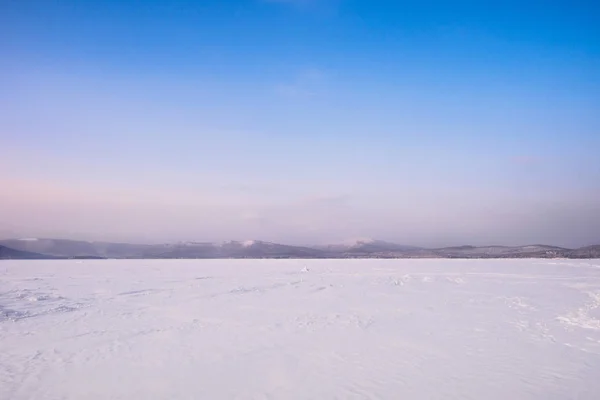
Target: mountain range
362,248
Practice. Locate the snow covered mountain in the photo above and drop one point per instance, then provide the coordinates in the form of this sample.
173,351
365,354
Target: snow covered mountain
233,249
6,253
502,251
358,248
367,246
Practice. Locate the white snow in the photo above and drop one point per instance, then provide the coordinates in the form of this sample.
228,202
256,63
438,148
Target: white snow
270,329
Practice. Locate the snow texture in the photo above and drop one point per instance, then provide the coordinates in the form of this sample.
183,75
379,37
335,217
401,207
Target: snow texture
323,329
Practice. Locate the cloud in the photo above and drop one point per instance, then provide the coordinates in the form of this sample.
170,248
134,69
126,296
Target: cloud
293,91
322,8
293,2
304,3
307,83
526,160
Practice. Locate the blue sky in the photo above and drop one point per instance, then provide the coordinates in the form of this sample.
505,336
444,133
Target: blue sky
301,121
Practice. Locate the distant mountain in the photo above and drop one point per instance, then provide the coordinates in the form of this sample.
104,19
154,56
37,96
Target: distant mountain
586,252
73,248
6,253
76,248
260,249
375,246
369,246
361,248
534,251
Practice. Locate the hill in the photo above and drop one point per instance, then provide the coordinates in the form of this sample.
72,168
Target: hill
6,253
364,248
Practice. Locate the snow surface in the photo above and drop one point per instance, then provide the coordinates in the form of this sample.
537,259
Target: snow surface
269,329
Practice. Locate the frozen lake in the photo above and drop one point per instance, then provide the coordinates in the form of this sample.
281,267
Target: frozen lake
326,329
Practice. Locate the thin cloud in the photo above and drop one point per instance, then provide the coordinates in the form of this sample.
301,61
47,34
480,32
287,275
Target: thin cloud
307,83
292,2
327,6
293,91
526,160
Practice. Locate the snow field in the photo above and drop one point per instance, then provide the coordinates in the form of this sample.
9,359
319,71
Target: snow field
297,329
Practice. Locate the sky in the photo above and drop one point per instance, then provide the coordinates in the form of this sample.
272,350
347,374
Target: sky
425,123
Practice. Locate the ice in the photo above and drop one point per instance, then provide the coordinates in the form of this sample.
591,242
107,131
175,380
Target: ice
298,329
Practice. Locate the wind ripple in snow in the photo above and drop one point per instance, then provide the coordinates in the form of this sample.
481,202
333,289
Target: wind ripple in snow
19,304
277,329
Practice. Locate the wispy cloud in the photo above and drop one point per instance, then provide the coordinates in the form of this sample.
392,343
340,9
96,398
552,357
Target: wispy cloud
307,83
293,2
526,160
328,7
293,91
